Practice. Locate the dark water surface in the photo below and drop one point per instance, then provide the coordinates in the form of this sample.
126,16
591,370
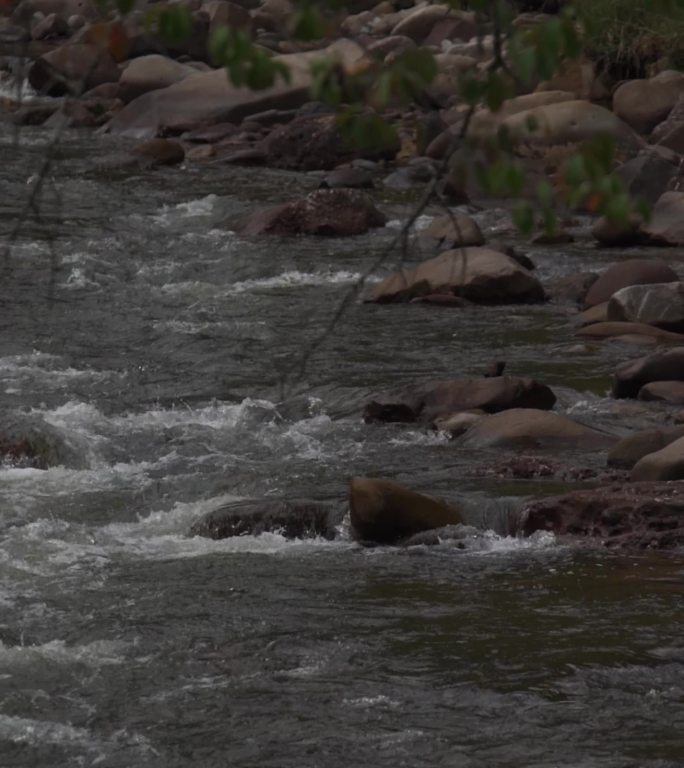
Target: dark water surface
155,347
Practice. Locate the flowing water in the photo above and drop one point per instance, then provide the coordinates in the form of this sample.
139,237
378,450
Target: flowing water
140,329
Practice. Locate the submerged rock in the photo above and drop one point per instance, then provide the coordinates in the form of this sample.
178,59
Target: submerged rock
634,515
428,401
293,518
385,512
28,441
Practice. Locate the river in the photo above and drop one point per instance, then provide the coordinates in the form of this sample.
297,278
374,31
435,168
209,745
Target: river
154,340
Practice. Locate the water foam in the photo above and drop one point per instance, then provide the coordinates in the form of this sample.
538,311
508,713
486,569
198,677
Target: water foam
168,214
95,654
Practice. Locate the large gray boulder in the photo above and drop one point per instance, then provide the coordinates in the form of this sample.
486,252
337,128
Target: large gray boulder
211,98
477,274
656,304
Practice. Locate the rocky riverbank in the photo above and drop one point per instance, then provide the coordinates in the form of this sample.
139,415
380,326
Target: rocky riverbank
114,75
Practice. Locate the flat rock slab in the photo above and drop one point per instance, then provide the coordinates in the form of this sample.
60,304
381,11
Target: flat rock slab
643,515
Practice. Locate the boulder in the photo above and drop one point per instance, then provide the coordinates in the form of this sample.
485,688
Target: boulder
666,224
659,304
387,513
671,392
616,328
626,452
648,175
665,464
477,274
625,273
331,212
211,98
150,73
293,518
72,68
347,178
643,104
632,515
451,231
314,143
662,366
569,122
485,124
533,428
156,152
430,400
418,24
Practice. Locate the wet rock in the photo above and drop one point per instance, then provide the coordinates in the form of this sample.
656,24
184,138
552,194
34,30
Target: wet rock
645,103
633,515
662,366
329,212
617,234
156,152
72,69
596,314
558,237
293,518
451,231
440,300
664,391
459,536
627,452
628,272
543,468
387,513
211,98
150,73
665,464
477,274
28,441
457,424
200,153
533,428
410,176
614,329
659,304
392,44
428,401
316,143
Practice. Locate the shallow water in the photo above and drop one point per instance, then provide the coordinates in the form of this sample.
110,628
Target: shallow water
137,324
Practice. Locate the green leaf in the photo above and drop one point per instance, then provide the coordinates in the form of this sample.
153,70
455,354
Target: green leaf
308,24
175,23
523,218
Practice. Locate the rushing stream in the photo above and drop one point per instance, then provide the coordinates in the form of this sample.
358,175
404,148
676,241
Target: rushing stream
154,341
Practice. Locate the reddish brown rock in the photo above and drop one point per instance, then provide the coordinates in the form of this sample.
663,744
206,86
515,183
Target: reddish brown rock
427,401
385,512
330,212
159,152
628,272
644,515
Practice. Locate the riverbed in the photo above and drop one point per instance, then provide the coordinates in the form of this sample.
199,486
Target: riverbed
167,352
